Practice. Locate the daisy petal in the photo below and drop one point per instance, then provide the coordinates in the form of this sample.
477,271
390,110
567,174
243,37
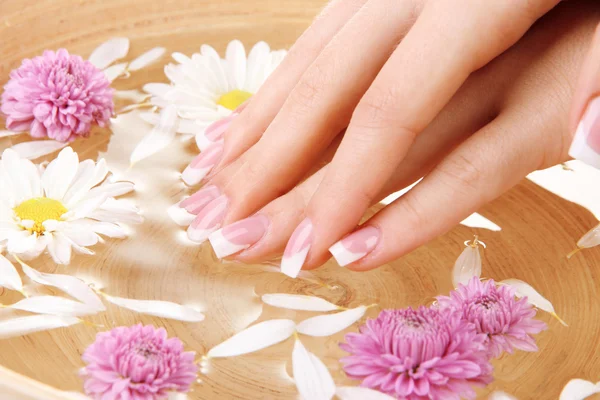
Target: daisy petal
9,277
37,148
53,305
257,60
109,52
147,58
26,325
327,325
360,393
236,63
160,137
164,309
313,380
298,302
254,338
59,248
579,389
115,71
5,133
157,89
501,396
60,173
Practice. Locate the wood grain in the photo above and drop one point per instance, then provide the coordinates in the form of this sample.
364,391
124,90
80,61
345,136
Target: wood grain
538,229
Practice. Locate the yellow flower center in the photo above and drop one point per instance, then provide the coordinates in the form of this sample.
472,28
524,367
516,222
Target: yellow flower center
233,99
39,210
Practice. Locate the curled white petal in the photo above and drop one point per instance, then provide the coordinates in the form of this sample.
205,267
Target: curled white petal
298,302
590,239
523,289
313,380
109,52
160,137
9,277
327,325
37,148
54,305
360,393
147,58
579,389
467,266
158,308
254,338
35,323
115,71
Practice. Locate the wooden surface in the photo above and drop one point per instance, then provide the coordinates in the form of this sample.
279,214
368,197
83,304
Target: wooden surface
538,228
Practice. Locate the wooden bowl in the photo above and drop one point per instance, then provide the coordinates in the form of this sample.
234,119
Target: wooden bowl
538,230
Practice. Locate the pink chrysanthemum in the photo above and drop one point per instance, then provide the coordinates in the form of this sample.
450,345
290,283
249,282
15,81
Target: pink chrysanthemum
57,95
507,322
420,354
137,363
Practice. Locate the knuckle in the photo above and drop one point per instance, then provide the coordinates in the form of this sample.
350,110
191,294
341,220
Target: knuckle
462,174
377,108
309,88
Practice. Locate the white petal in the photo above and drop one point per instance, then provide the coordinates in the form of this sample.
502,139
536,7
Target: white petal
22,242
112,189
86,207
590,239
117,211
157,89
257,63
313,380
360,393
16,176
189,127
5,133
75,396
160,136
467,266
501,396
71,285
54,305
35,323
9,277
147,58
133,95
107,229
327,325
236,63
523,289
79,234
115,71
209,51
177,396
59,248
254,338
298,302
37,148
164,309
59,174
109,52
578,389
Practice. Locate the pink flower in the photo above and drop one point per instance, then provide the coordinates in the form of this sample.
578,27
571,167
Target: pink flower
507,322
137,363
57,95
420,354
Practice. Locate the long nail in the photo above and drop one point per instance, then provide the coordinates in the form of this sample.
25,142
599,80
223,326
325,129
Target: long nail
202,164
297,249
239,235
355,246
184,212
214,132
586,143
208,220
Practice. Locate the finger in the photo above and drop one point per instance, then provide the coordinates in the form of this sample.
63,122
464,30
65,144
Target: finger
316,110
258,113
585,111
407,94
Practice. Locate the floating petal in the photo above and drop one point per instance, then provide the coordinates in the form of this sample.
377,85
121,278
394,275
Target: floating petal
37,148
5,133
327,325
115,71
35,323
54,305
158,308
579,389
147,58
254,338
590,239
501,396
523,289
298,302
467,265
313,380
360,393
9,277
160,137
109,52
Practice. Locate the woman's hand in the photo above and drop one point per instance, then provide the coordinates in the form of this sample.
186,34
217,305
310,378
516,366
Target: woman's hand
504,122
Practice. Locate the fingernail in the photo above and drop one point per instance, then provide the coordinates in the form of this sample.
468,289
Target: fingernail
297,249
586,143
208,220
239,235
355,246
214,132
202,164
184,212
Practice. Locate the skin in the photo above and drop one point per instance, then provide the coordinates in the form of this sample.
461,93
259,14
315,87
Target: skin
473,125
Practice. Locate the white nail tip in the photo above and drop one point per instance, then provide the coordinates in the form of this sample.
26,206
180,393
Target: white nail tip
192,176
580,149
343,256
199,235
224,247
291,266
203,142
180,215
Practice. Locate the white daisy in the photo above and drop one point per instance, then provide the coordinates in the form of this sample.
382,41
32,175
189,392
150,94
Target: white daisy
205,87
63,206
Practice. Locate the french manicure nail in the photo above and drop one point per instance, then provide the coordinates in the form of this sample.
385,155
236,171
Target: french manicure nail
297,249
355,246
202,164
239,235
208,220
184,212
214,132
586,143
